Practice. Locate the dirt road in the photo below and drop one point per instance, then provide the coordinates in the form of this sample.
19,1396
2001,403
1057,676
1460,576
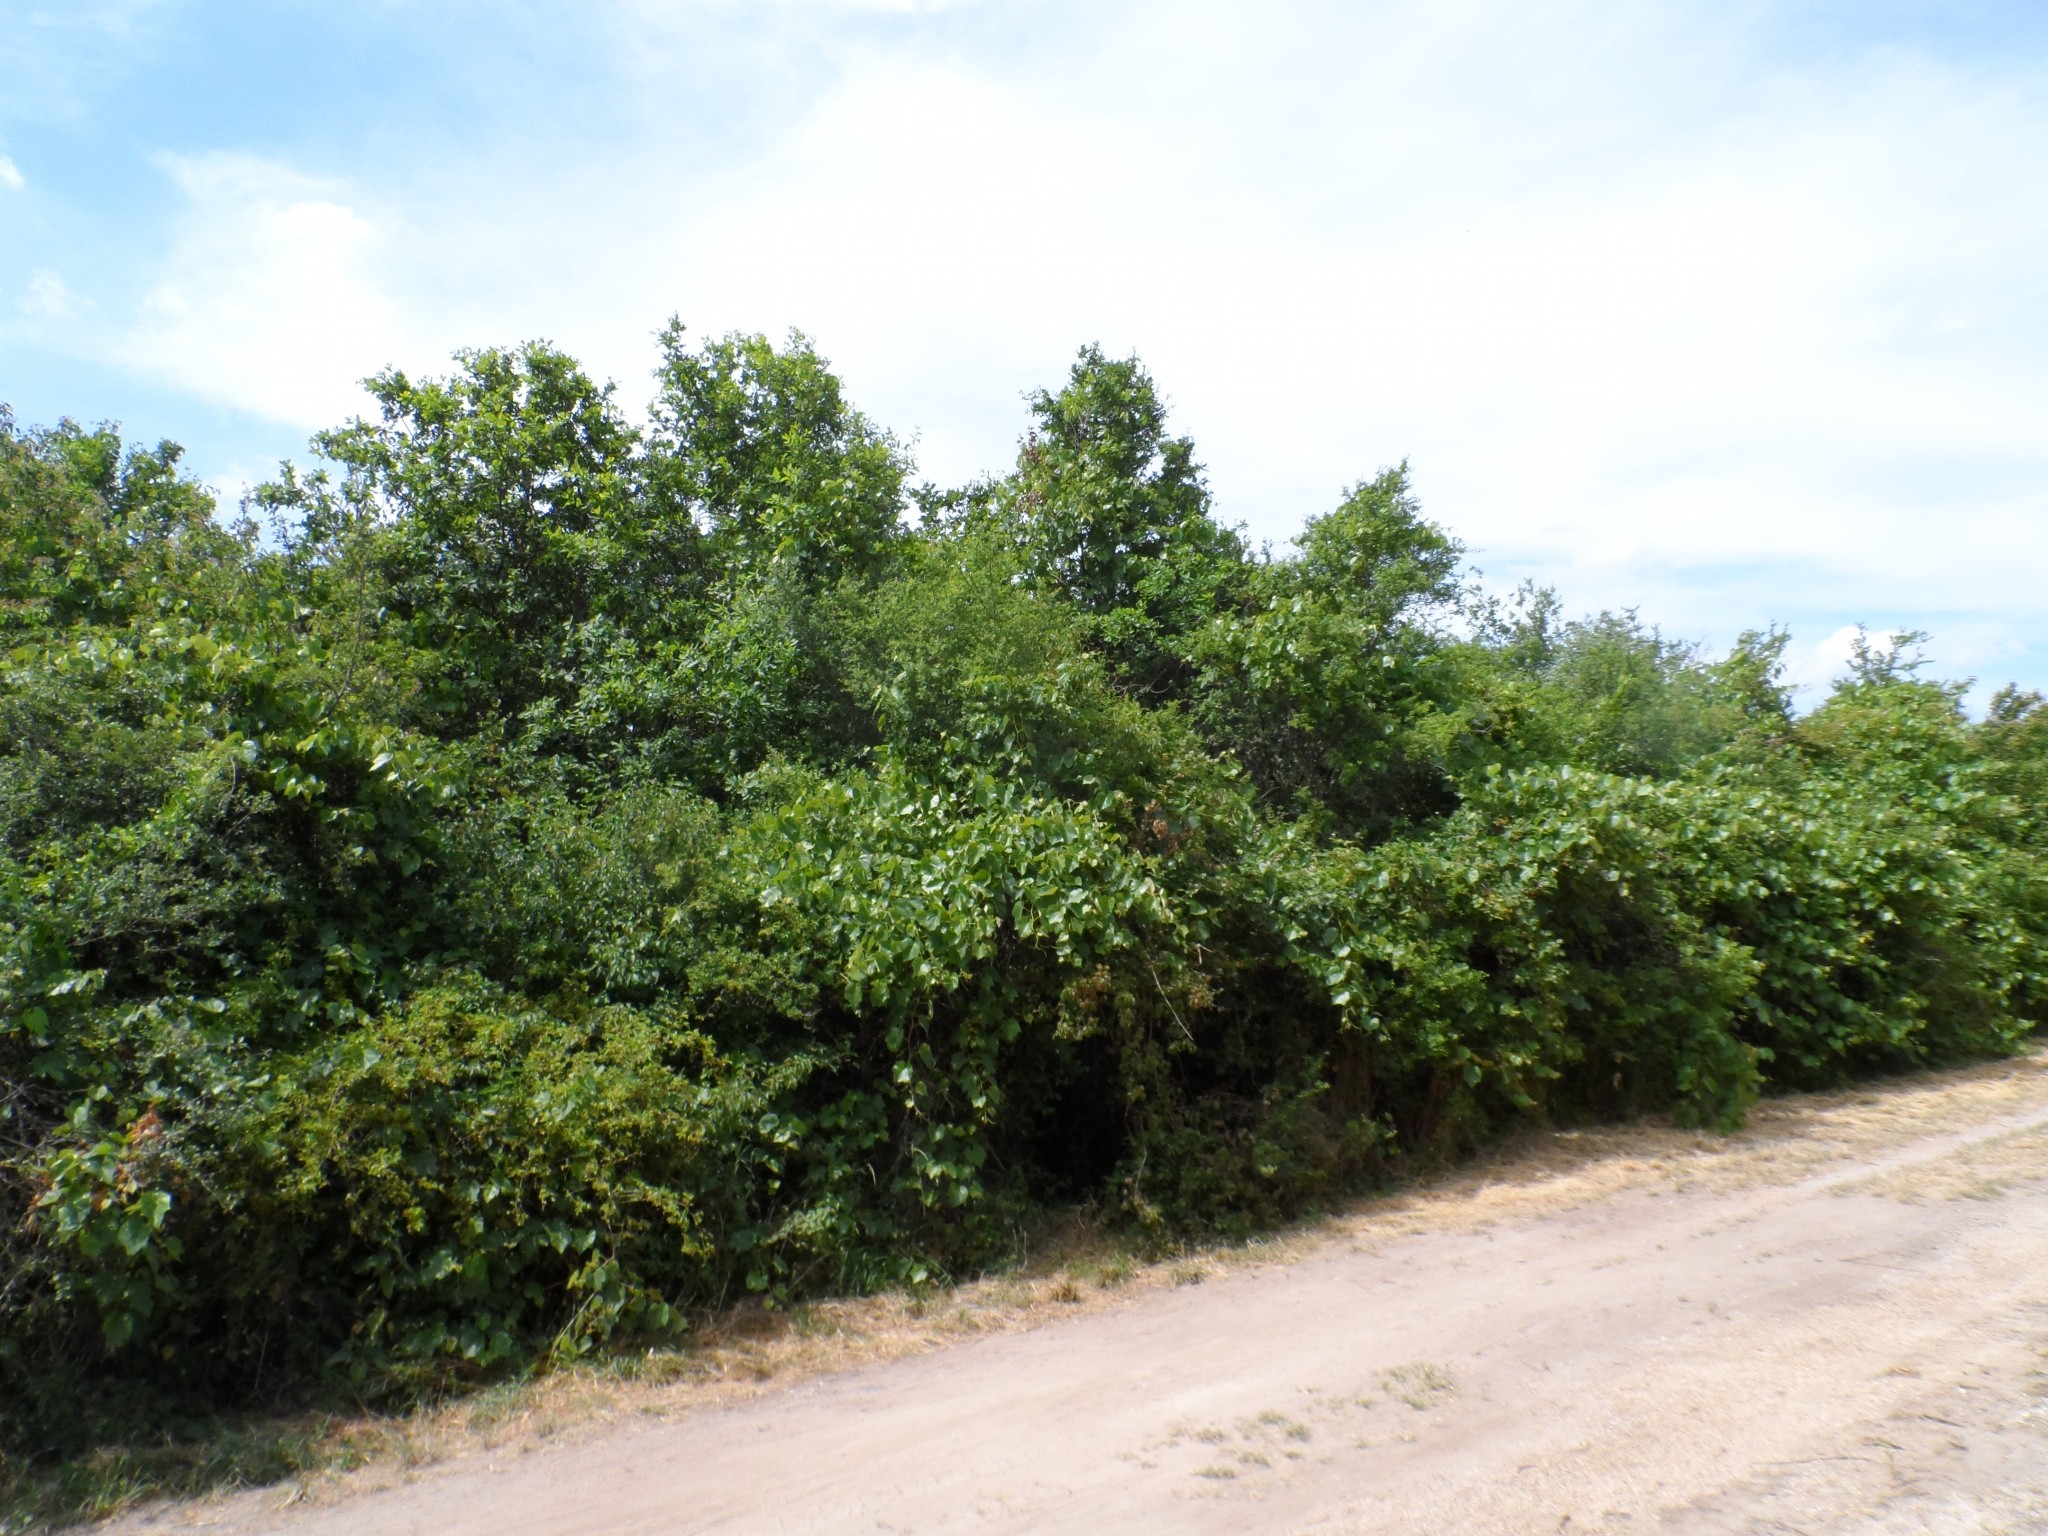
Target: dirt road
1837,1322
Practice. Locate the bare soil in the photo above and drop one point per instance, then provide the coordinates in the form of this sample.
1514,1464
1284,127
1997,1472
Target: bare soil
1836,1321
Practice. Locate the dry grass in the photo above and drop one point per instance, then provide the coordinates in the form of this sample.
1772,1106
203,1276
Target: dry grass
1985,1170
1786,1140
1082,1269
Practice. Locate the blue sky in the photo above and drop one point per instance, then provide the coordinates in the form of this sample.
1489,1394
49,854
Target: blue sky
1734,312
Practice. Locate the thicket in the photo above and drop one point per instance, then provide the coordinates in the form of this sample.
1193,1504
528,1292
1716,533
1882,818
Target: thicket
533,878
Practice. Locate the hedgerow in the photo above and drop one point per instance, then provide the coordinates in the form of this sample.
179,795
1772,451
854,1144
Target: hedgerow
558,878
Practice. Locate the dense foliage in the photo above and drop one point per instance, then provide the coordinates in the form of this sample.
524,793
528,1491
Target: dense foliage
559,876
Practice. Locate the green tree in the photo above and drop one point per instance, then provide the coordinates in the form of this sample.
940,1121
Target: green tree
1317,681
503,508
1111,513
761,447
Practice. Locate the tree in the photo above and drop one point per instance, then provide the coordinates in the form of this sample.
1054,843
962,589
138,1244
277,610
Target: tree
502,505
1111,513
762,448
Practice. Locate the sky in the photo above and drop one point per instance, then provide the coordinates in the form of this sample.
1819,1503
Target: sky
1735,313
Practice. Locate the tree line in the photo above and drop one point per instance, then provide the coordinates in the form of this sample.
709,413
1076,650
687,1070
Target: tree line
530,878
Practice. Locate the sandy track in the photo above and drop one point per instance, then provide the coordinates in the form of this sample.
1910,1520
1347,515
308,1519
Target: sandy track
1840,1325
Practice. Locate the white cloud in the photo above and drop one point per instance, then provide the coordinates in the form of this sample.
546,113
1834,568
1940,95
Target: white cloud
48,298
10,175
270,297
1600,334
1658,307
1814,666
1966,647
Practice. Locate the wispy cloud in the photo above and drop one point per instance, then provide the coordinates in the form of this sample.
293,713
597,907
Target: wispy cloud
53,52
10,175
48,298
269,298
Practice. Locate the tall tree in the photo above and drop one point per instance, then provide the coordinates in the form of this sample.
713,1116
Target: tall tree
761,445
500,500
1111,512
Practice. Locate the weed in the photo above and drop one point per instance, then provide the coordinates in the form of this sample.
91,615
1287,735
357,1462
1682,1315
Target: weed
1420,1386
